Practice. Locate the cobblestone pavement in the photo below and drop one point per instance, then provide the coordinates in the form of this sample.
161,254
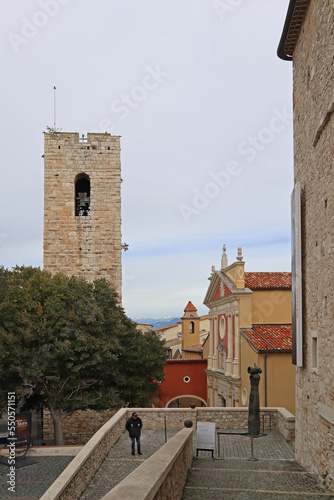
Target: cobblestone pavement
34,479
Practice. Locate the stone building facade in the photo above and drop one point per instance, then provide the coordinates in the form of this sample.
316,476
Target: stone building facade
308,40
82,206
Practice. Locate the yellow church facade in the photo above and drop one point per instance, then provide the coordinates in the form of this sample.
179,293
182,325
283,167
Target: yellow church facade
250,322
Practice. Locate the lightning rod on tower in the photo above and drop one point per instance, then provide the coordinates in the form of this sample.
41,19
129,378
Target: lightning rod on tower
54,106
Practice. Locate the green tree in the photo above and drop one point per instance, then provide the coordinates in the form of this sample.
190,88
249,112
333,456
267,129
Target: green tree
68,341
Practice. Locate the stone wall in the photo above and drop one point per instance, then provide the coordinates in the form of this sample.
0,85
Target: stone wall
228,419
88,246
79,427
314,151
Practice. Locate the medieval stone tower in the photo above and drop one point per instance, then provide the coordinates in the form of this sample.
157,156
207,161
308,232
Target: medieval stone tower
82,206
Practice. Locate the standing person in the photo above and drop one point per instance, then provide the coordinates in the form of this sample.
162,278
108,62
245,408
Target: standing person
133,426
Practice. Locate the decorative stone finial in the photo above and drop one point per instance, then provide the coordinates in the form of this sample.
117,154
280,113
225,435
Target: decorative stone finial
224,258
213,268
240,257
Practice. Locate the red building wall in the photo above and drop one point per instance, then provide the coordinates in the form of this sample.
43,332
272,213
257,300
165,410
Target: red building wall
175,385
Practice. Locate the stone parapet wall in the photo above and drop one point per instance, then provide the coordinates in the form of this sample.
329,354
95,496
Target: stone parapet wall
78,474
286,425
161,476
233,419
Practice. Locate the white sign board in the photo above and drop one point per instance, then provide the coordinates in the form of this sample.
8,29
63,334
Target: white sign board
206,436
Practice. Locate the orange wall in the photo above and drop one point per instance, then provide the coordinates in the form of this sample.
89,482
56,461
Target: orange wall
271,306
174,385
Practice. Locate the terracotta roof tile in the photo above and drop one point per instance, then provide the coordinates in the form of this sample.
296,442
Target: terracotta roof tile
194,348
258,281
185,361
172,342
190,307
269,337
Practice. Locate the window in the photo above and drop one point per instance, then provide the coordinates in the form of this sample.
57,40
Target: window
222,327
191,327
314,335
82,195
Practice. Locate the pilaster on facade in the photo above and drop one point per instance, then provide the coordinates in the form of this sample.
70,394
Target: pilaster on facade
210,360
215,362
236,361
215,342
230,346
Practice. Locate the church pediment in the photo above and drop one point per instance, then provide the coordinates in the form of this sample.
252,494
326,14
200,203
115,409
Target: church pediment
214,290
220,286
218,293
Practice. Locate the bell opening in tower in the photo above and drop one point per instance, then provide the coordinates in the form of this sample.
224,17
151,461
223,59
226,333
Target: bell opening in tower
82,195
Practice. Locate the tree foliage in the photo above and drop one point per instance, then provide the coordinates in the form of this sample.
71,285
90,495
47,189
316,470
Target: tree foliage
68,341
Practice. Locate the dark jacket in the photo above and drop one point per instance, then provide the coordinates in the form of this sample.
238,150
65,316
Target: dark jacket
133,426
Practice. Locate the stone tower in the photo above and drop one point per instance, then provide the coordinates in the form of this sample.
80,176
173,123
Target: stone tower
82,206
190,326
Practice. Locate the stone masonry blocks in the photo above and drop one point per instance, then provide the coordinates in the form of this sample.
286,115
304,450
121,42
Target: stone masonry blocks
87,246
314,150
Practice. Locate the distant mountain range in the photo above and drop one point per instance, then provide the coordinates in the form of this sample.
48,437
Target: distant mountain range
157,322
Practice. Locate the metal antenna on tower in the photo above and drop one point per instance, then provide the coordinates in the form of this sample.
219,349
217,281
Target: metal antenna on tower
54,106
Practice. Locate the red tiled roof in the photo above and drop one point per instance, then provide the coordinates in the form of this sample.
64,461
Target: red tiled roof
292,27
198,360
194,348
190,307
269,337
204,317
172,343
257,281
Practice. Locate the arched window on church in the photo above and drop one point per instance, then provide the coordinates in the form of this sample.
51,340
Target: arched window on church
82,195
191,327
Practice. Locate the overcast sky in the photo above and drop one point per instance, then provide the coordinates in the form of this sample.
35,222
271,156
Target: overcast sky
204,108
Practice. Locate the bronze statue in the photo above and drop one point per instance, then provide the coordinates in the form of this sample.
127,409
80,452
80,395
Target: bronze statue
254,401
